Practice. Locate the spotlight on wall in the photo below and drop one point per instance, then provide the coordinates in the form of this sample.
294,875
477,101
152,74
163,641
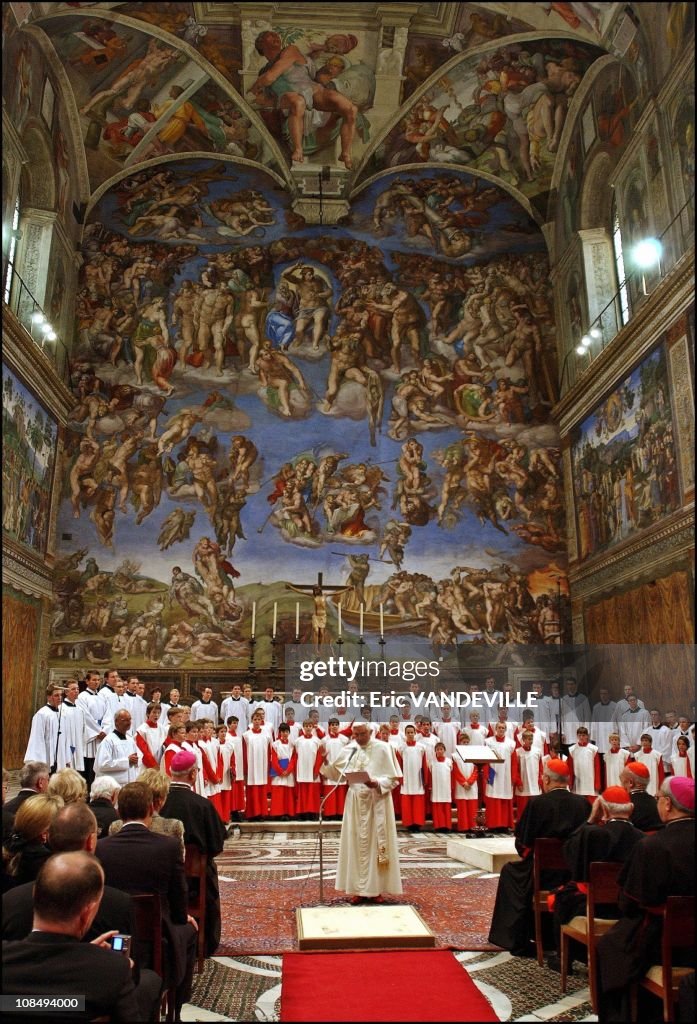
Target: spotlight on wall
586,342
647,253
46,328
581,350
595,333
38,318
51,335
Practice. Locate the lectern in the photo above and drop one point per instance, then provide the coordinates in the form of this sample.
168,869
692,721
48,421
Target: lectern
479,756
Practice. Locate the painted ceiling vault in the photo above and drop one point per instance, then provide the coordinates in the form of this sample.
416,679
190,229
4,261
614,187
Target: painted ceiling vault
314,328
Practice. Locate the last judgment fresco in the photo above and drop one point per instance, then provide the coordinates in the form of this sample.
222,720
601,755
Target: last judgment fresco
258,401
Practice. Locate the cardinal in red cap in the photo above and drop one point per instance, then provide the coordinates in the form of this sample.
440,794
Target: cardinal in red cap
553,815
661,865
635,777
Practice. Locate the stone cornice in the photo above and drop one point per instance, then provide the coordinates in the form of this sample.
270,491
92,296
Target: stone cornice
651,553
25,570
35,369
671,297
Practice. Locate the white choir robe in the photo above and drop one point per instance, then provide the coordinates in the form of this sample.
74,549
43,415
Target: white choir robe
94,709
630,726
529,762
429,745
112,759
413,769
662,741
368,863
652,759
575,712
614,765
539,738
675,736
547,714
623,705
76,726
49,738
236,744
307,748
227,749
240,709
295,731
602,724
284,752
210,748
333,746
111,699
447,733
113,707
681,765
396,739
257,746
153,737
462,792
193,748
510,730
478,736
404,722
441,781
205,709
502,786
138,708
583,760
273,713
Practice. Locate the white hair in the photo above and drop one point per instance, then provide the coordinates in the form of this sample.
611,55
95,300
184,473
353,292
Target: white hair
104,786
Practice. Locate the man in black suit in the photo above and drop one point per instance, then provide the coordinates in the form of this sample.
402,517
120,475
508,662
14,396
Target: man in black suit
137,860
33,779
74,828
553,815
202,828
53,961
635,778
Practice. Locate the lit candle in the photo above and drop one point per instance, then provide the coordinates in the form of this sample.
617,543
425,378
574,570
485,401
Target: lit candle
275,617
339,611
254,618
297,619
360,627
382,622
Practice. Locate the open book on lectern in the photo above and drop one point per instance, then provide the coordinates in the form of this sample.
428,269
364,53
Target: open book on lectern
478,755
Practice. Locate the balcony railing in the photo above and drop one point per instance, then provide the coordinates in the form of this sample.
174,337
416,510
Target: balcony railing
677,239
37,325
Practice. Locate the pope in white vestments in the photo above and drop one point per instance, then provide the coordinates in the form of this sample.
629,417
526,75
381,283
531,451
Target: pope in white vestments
368,855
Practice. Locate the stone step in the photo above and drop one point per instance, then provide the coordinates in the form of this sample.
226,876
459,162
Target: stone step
486,854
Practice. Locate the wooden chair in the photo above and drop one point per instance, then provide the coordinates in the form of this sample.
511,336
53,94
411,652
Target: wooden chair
602,889
148,919
548,855
195,864
663,980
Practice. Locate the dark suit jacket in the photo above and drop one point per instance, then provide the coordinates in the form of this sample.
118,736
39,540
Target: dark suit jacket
46,964
115,911
137,860
16,802
105,812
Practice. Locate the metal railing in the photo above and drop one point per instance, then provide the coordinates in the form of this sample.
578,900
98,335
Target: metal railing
33,318
676,240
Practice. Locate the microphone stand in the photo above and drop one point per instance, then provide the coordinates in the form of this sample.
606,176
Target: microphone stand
321,823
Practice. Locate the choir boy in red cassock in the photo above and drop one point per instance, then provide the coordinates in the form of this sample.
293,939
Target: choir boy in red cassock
176,735
284,758
150,737
653,761
257,743
528,778
310,751
584,761
499,790
412,756
615,760
466,792
238,793
333,745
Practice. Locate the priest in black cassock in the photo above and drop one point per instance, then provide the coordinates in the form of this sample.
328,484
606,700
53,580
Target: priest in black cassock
202,828
553,815
662,865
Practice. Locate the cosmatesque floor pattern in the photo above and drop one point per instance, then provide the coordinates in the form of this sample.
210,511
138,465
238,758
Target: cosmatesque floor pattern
263,877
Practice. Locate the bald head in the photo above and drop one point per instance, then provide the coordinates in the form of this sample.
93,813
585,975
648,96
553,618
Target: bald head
122,721
67,893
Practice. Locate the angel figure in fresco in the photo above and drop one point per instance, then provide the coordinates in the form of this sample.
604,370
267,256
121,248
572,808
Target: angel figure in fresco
290,79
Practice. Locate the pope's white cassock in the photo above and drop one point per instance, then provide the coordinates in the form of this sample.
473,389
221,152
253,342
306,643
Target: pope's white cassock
368,855
49,738
112,758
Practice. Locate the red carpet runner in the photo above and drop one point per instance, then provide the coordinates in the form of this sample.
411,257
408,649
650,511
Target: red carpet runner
429,985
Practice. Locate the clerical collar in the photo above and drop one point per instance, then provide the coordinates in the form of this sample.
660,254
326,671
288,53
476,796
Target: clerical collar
107,687
52,708
121,735
205,701
633,711
68,703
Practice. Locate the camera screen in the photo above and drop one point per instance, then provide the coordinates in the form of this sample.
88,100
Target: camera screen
117,943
